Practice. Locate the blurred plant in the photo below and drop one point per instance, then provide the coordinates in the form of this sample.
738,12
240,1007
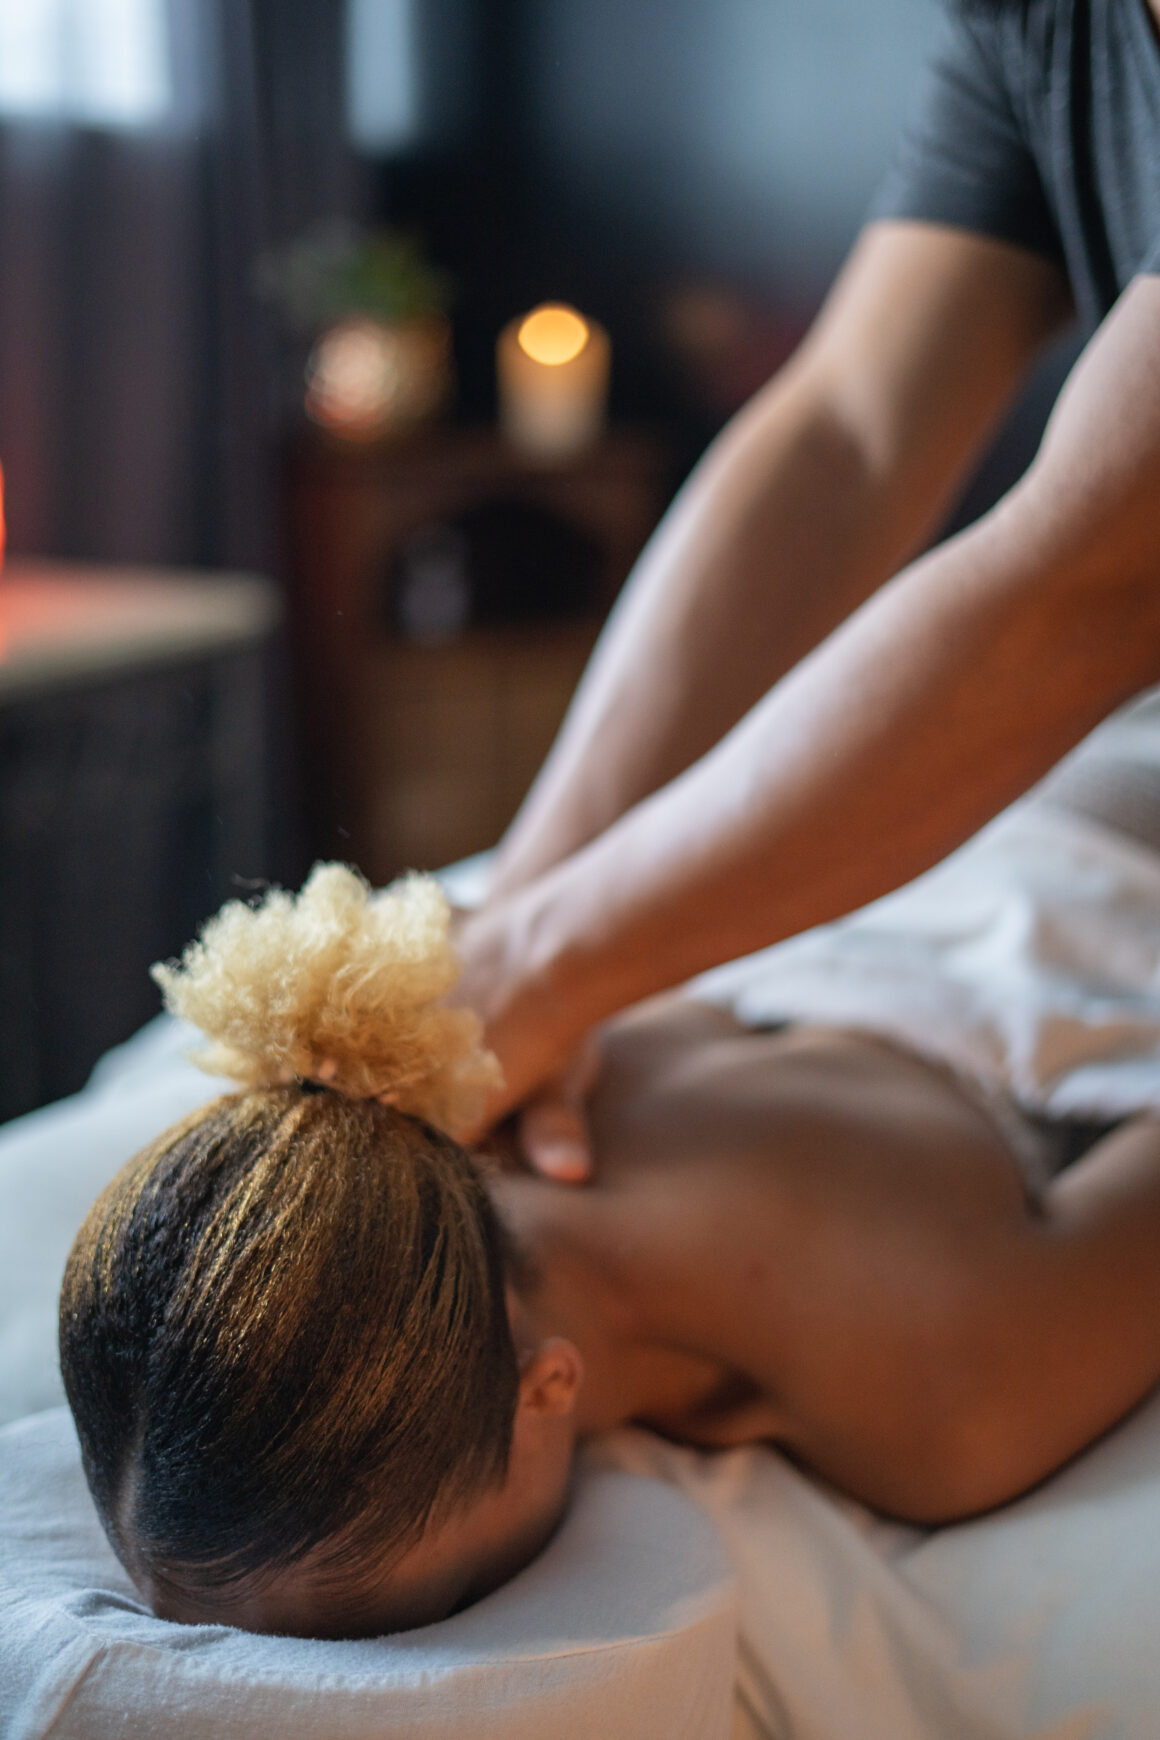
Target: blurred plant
338,272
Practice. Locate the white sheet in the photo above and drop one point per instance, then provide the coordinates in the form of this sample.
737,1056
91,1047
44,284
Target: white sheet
1038,1621
625,1624
1029,961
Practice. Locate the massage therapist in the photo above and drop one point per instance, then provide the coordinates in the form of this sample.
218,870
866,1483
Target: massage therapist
796,706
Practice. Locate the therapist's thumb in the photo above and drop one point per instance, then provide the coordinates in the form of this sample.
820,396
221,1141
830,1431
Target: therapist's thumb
554,1136
554,1123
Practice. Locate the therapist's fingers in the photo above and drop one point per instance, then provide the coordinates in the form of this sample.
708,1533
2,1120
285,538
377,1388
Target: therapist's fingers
553,1125
554,1137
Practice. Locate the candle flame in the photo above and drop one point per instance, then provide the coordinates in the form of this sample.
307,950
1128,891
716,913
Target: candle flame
553,334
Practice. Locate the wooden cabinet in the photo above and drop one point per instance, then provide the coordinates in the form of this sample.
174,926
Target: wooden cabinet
134,796
414,754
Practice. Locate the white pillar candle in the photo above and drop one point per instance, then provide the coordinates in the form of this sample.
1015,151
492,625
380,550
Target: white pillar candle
553,381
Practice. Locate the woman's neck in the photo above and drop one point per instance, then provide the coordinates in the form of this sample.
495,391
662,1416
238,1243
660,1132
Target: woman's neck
579,1286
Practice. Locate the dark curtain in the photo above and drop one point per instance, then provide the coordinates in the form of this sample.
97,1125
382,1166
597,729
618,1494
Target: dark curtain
143,393
141,383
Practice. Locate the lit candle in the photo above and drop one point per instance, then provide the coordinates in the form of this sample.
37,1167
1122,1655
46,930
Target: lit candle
553,381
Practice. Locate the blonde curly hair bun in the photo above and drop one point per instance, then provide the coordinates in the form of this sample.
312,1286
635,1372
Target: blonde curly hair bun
338,985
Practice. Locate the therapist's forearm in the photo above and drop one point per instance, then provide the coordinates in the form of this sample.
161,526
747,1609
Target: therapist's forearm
893,743
782,531
818,491
940,701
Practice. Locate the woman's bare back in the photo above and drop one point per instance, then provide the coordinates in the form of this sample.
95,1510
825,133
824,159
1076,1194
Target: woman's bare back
813,1238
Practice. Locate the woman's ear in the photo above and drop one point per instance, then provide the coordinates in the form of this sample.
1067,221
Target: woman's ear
550,1378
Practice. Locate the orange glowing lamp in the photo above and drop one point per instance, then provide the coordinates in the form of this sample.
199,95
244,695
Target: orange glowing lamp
3,541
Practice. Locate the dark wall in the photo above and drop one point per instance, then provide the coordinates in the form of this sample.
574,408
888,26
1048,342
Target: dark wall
606,151
742,137
620,153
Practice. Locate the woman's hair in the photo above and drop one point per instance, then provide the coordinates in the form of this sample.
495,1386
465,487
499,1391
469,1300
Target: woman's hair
283,1325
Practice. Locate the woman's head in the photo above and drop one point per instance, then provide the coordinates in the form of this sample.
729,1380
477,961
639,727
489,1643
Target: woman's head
286,1336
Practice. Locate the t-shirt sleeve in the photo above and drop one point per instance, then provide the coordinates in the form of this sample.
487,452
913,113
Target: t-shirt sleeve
963,159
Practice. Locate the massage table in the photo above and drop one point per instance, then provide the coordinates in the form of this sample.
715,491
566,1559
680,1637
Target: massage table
688,1595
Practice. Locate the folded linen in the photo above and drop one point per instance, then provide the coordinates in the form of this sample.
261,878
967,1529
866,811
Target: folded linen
1034,1622
625,1624
1028,961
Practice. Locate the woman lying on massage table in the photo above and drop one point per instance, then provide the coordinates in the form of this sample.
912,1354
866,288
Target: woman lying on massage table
328,1375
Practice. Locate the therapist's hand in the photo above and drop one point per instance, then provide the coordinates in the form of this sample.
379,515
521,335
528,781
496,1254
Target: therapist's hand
537,1031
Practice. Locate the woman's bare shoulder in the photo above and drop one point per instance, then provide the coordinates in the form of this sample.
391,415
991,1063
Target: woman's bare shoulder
803,1208
686,1090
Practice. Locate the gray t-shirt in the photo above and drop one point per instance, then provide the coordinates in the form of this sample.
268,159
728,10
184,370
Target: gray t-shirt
1040,124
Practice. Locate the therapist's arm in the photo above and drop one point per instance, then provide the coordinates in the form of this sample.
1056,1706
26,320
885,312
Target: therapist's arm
830,479
949,692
